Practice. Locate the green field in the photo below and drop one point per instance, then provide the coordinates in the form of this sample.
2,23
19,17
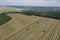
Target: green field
4,19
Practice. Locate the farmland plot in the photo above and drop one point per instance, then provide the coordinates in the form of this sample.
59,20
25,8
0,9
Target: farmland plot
23,27
15,24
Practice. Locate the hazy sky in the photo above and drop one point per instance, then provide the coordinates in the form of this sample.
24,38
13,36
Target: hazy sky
31,2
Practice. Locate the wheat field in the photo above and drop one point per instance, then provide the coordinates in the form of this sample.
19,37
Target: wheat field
23,27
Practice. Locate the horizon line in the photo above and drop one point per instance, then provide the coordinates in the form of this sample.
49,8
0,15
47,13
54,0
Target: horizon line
29,5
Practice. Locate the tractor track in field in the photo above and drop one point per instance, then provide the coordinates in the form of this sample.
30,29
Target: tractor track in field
37,29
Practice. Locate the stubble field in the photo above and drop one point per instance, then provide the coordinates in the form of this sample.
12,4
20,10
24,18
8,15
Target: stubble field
23,27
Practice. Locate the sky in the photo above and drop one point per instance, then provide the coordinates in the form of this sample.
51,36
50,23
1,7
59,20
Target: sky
31,2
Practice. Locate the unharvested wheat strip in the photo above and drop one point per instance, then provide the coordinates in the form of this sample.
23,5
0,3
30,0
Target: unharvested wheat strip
57,33
46,29
37,31
25,28
52,31
54,34
46,37
33,30
58,38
